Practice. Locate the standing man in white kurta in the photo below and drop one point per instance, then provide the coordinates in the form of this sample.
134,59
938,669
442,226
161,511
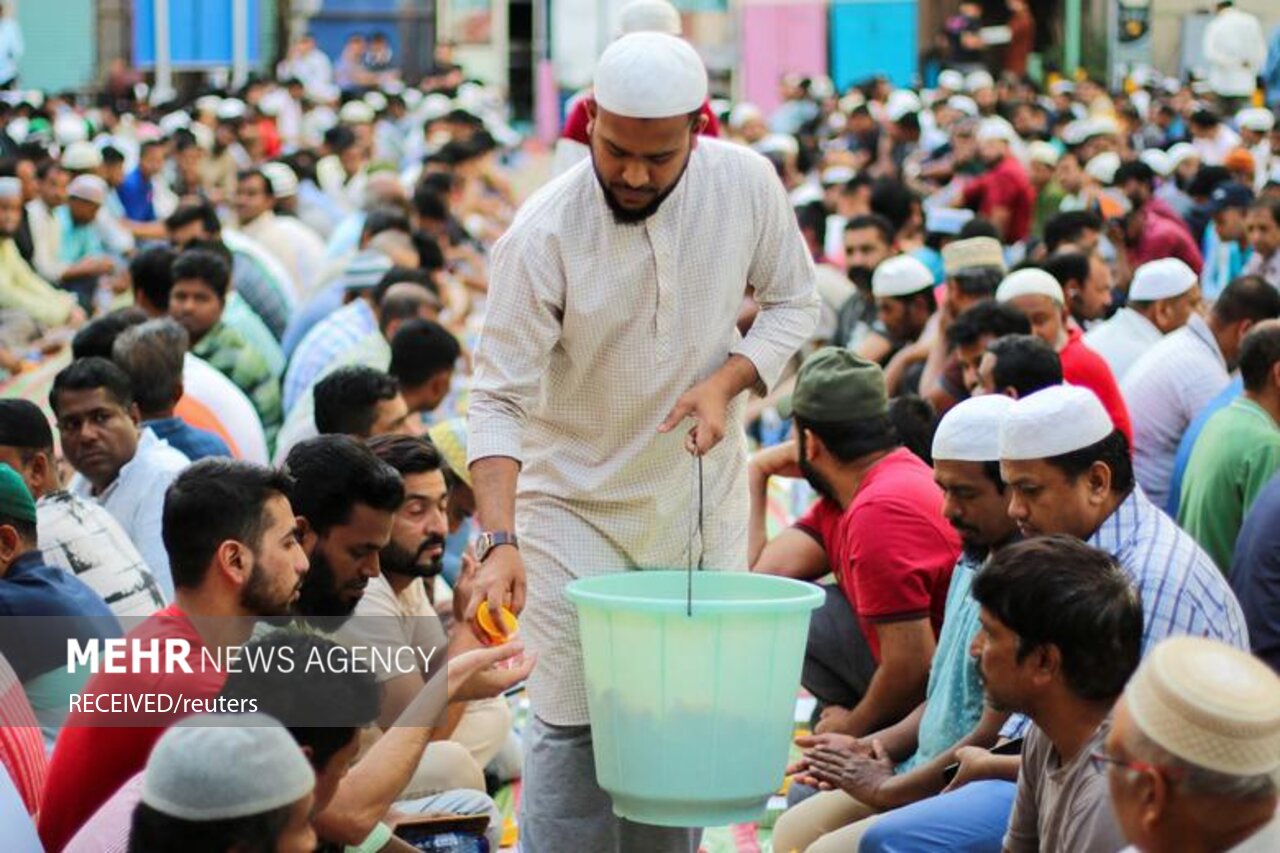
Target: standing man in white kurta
610,320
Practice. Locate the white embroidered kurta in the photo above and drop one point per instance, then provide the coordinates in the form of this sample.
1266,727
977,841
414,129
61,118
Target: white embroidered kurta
593,330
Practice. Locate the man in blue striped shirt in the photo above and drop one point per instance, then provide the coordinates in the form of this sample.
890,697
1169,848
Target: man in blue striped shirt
1068,471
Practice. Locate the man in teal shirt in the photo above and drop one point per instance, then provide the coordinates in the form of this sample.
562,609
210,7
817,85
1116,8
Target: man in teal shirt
1237,452
966,466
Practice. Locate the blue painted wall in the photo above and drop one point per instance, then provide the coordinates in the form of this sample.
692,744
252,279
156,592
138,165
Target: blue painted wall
60,43
870,37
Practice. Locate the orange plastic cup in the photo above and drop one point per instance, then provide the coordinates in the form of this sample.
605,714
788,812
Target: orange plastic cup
498,634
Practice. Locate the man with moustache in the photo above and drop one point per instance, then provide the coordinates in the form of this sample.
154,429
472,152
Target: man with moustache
611,319
878,527
233,544
396,611
903,763
868,242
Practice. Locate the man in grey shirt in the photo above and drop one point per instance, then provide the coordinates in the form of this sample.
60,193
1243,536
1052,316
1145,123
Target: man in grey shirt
1060,634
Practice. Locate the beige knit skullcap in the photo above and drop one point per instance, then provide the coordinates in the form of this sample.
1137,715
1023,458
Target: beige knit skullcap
1210,705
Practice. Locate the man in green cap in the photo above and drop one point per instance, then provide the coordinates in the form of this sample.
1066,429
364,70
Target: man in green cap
878,527
31,592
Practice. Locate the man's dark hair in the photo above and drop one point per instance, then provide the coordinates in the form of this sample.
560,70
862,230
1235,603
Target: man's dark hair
24,426
334,473
47,167
1024,363
1205,117
429,203
915,421
893,200
1058,591
206,266
339,138
184,140
26,530
346,401
403,305
89,374
1271,205
152,355
408,454
1068,266
1207,179
421,350
153,831
151,271
852,440
149,144
430,255
111,155
98,336
978,227
873,220
812,217
396,275
1248,297
978,282
1069,227
322,707
1134,170
213,501
1113,451
1259,353
384,219
986,318
199,211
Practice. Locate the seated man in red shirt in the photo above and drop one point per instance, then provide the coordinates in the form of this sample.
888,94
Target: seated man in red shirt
1039,295
234,550
878,528
1003,195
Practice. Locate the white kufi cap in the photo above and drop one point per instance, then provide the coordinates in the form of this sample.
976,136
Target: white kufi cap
1209,704
901,275
1103,167
649,16
284,183
1042,152
223,766
10,188
1257,119
1053,421
970,430
951,79
1161,279
1029,282
650,75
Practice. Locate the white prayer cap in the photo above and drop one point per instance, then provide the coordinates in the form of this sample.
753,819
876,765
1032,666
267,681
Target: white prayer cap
650,16
650,75
1073,133
1042,152
996,128
970,430
68,129
1158,161
208,103
833,175
979,80
1063,87
231,109
1053,421
1100,126
951,79
902,103
964,104
10,188
1180,152
1103,167
1256,119
821,87
174,122
376,101
81,157
973,253
744,113
223,766
436,105
1029,282
284,183
355,112
901,275
1161,279
1208,704
778,143
88,188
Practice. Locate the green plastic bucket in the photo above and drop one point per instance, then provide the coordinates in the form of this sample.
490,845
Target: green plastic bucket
692,717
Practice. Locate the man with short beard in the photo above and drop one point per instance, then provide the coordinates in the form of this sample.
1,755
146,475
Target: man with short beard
612,320
397,611
235,556
879,528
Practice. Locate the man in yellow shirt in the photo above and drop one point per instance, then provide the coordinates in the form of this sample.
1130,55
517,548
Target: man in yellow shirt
21,289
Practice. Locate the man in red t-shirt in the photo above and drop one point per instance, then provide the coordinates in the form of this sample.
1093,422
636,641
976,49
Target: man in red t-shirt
878,528
235,554
1038,294
1002,195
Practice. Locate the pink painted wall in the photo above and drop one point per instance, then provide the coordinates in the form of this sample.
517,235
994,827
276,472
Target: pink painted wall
777,38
